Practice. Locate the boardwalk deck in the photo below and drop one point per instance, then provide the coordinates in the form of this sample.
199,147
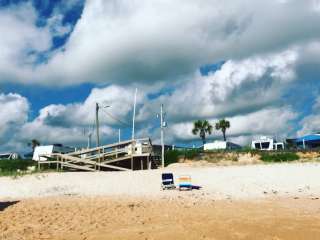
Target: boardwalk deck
127,155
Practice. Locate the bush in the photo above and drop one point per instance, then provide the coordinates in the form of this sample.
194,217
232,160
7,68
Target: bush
279,157
10,166
191,153
171,156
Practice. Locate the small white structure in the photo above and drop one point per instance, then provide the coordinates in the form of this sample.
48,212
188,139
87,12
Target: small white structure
141,146
41,153
220,145
266,143
9,156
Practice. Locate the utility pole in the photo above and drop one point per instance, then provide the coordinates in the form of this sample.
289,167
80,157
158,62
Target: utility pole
97,124
119,133
97,121
134,112
89,139
162,126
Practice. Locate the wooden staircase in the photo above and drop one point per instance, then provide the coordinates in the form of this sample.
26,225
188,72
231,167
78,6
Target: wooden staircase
123,156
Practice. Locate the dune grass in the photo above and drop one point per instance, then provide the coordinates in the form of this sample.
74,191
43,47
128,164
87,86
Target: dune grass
278,156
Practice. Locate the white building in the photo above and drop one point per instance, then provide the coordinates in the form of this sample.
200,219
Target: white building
266,143
220,145
41,153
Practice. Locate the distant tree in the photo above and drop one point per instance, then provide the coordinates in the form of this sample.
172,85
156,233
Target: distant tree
223,125
202,127
33,144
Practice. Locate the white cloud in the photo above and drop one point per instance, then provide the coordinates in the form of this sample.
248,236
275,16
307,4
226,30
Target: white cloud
157,40
146,41
13,115
56,26
71,123
20,41
48,134
311,123
116,103
239,86
268,46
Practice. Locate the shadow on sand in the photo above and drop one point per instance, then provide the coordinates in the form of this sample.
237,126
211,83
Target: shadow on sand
4,205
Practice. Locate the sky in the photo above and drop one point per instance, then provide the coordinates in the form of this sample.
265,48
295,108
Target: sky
254,63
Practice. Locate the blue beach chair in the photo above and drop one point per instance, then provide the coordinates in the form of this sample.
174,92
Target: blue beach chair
167,181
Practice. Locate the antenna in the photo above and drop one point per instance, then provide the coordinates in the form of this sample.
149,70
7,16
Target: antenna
134,112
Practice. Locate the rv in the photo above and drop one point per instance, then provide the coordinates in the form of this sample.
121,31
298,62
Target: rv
220,145
267,144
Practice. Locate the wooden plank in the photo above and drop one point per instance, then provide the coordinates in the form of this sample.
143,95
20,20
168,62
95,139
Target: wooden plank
117,159
84,161
114,167
74,166
101,147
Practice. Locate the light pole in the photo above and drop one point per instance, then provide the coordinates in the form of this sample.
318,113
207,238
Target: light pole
97,123
162,126
134,112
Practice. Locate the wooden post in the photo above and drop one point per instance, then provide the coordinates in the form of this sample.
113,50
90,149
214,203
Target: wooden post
61,162
132,153
99,159
132,163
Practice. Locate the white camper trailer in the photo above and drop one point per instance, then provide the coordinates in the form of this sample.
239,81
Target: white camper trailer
220,145
267,144
42,153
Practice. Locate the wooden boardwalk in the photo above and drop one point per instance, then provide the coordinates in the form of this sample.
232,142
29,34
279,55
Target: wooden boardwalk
127,155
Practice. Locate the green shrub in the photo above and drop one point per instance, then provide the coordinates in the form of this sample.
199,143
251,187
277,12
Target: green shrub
279,157
171,156
191,153
8,166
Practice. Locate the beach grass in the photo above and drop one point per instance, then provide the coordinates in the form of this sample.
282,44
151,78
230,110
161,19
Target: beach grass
279,156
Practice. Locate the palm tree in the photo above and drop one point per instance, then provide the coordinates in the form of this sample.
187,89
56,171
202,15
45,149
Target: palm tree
202,127
223,125
33,143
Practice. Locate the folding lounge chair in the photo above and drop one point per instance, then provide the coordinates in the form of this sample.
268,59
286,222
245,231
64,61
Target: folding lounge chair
167,181
185,182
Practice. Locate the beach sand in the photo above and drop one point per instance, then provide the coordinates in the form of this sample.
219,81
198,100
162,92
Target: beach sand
276,201
80,218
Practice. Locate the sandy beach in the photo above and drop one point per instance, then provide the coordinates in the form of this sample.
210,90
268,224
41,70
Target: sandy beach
73,218
278,201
